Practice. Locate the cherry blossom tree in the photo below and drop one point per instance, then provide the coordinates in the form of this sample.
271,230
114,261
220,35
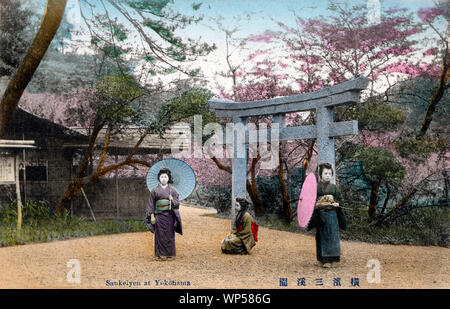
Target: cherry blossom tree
330,49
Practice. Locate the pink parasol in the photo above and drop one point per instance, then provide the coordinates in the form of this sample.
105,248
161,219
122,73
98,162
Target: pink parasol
307,200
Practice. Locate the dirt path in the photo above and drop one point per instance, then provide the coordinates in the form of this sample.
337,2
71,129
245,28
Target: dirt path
199,263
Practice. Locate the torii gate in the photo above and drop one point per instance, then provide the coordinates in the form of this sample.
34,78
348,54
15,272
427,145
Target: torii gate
323,101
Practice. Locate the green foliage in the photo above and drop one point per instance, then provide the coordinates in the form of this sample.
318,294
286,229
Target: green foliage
420,149
95,41
15,20
123,88
156,24
192,102
153,6
164,32
422,226
116,94
150,59
375,116
380,165
32,213
348,150
177,56
40,225
194,73
169,71
118,33
112,51
196,6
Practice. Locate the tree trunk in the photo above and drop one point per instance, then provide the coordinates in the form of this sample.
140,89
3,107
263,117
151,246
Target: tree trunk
251,185
76,186
436,97
373,200
254,195
399,204
287,210
74,189
49,25
388,195
308,157
254,192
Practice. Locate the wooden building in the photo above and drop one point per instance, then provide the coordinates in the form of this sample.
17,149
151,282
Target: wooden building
42,157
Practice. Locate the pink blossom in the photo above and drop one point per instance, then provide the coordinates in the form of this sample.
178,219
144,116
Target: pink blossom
290,46
264,63
254,55
393,50
313,59
304,86
262,38
395,10
268,73
358,7
378,139
431,70
307,69
75,108
358,21
282,65
428,14
347,65
430,52
221,93
336,77
286,28
261,90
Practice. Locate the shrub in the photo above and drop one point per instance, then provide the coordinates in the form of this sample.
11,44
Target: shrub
40,225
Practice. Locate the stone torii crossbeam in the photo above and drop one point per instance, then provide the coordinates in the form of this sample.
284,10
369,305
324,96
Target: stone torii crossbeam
323,101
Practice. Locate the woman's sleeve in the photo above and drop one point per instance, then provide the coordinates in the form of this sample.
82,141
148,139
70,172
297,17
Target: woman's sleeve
342,222
337,195
150,208
315,220
176,201
247,223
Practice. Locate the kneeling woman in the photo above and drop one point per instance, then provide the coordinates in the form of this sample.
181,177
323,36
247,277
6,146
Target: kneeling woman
163,218
244,231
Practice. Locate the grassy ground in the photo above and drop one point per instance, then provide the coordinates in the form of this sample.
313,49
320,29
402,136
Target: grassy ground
40,225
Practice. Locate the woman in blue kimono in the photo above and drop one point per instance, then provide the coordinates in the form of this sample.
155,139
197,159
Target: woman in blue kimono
163,218
327,218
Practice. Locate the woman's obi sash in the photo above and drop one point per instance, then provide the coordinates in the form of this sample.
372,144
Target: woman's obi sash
162,205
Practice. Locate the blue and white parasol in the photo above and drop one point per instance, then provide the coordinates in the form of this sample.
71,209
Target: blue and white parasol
183,176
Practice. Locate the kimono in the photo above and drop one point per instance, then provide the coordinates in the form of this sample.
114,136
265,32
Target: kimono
242,240
168,220
327,221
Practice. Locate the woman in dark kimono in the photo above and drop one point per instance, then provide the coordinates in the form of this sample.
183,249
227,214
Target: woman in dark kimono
244,231
327,218
163,218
